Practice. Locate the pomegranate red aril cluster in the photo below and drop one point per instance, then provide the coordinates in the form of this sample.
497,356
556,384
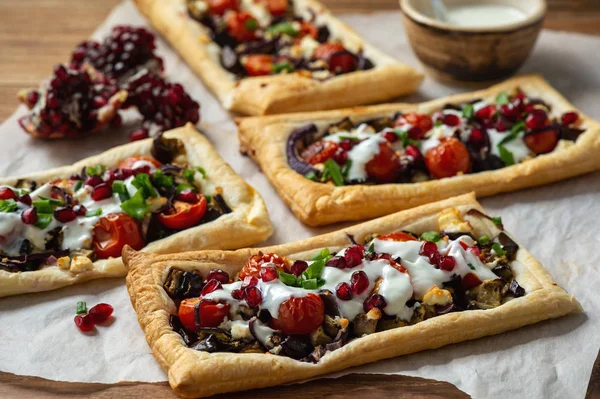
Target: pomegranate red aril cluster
87,320
86,95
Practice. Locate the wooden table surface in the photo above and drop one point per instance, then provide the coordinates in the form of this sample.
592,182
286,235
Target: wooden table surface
37,34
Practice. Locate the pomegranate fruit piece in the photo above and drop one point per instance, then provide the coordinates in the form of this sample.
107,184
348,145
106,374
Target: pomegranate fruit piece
139,134
211,286
569,118
413,152
374,301
84,322
343,291
536,119
25,199
219,275
268,273
298,267
101,191
353,255
447,263
416,133
428,248
250,281
101,312
80,210
237,294
64,215
486,112
188,196
7,193
94,181
29,216
348,144
337,261
390,136
253,296
451,120
359,282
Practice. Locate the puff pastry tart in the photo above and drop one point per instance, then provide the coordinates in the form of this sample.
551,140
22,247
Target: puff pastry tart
363,162
69,224
419,279
272,56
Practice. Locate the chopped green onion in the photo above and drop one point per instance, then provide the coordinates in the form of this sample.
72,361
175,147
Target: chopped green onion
159,179
506,156
315,269
78,185
310,284
8,205
43,220
502,98
282,66
118,186
334,171
320,282
95,212
514,133
201,171
467,111
438,123
136,206
143,184
431,236
484,239
371,248
188,174
43,206
208,198
342,137
498,249
97,170
53,201
405,138
346,168
471,266
283,27
311,176
288,279
497,220
324,254
81,307
251,24
182,187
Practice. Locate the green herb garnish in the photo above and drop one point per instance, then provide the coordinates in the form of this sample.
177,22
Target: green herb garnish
467,111
95,212
282,66
188,174
484,239
502,98
405,138
43,206
143,184
159,179
438,123
201,171
514,132
431,236
119,187
53,201
8,205
97,170
371,248
81,307
497,220
288,279
182,187
498,249
43,220
506,156
333,170
352,138
283,27
471,266
78,185
251,24
315,269
324,254
311,176
136,206
310,284
346,168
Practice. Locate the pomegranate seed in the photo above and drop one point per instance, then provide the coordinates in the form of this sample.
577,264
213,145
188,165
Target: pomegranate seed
298,267
520,96
569,118
428,248
486,112
101,312
253,296
340,156
475,250
250,281
7,193
528,108
343,291
237,294
502,125
359,282
416,133
470,280
353,255
390,136
451,120
476,137
188,196
98,102
64,215
80,210
447,263
347,144
268,273
211,286
463,245
102,191
536,119
84,322
33,97
413,152
29,216
509,111
93,181
374,301
219,275
337,261
117,121
139,134
25,199
435,259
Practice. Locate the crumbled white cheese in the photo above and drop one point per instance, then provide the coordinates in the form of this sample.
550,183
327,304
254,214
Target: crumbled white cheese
80,264
64,262
437,296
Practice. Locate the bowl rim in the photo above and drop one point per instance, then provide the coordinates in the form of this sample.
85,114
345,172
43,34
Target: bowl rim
410,12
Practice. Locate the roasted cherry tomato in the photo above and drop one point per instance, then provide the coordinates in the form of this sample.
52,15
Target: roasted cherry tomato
184,215
448,159
470,280
277,7
255,262
113,232
129,162
385,166
319,152
422,121
219,7
299,315
308,29
339,59
398,236
241,26
258,64
542,142
211,313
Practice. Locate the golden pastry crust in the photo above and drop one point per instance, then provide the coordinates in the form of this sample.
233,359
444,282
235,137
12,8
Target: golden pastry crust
265,138
249,219
281,93
198,374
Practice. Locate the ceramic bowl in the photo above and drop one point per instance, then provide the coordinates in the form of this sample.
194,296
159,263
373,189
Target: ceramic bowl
471,54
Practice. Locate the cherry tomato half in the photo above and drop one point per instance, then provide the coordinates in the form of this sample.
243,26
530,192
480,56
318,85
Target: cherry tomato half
255,262
129,162
258,64
277,7
319,152
211,313
241,26
308,29
339,59
299,315
398,236
184,215
542,142
113,232
448,159
219,7
385,166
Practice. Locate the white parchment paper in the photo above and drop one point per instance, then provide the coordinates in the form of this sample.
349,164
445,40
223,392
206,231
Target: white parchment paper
558,223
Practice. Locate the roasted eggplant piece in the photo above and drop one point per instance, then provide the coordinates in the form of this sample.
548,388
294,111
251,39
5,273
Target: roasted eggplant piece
183,284
487,295
319,337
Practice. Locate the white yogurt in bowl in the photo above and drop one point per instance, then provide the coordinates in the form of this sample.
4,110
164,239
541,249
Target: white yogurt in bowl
483,15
